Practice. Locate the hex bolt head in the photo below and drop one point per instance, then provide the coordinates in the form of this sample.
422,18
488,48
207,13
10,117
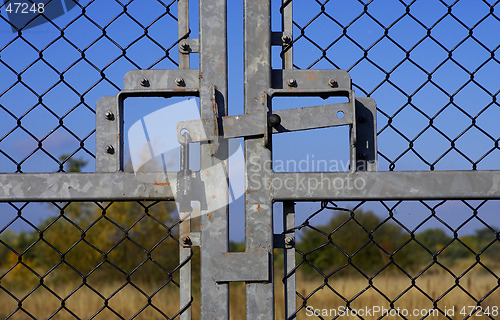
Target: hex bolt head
179,82
333,83
286,38
274,120
144,82
289,241
109,115
291,82
363,155
110,149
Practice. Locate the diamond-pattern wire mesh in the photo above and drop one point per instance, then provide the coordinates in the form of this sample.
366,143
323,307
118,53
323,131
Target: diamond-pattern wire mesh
431,66
93,260
353,259
53,75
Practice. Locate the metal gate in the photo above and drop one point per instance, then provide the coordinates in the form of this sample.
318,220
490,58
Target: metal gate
110,184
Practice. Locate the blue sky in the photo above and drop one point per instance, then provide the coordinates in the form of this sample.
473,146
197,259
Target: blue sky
433,80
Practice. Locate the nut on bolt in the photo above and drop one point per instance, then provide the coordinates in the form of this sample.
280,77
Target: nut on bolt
144,82
289,241
286,38
110,149
291,82
109,115
180,82
333,83
186,240
184,46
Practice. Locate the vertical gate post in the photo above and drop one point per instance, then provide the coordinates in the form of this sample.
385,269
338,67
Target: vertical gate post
289,258
258,198
213,95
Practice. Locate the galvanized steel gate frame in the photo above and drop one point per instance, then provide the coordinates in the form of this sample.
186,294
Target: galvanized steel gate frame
263,186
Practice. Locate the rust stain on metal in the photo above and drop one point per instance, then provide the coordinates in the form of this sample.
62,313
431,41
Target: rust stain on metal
157,183
213,197
118,137
210,217
258,207
250,191
200,76
179,89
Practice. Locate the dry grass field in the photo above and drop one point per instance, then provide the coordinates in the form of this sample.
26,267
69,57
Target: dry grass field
84,303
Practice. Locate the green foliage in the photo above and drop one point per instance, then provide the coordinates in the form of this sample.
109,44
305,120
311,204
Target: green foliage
361,241
236,246
112,241
72,164
98,242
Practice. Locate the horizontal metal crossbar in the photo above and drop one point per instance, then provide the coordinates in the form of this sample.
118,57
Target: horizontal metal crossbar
295,186
401,185
62,186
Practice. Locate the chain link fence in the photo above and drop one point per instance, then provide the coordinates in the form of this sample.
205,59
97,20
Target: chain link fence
81,260
57,72
93,260
418,260
432,68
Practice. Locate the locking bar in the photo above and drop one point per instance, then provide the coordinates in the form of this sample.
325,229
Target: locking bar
254,124
329,115
232,127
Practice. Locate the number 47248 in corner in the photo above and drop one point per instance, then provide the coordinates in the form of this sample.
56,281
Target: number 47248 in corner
479,311
25,8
